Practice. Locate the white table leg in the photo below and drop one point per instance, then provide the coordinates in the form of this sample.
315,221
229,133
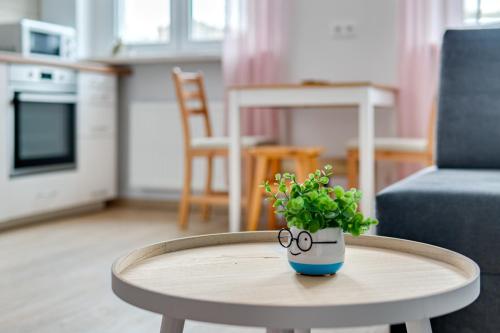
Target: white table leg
234,163
419,326
366,128
171,325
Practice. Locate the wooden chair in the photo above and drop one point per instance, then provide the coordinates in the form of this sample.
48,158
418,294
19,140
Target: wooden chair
192,102
394,149
267,163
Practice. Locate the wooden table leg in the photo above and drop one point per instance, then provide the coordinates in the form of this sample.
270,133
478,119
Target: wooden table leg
419,326
171,325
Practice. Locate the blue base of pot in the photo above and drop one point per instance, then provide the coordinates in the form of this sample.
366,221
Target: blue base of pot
316,269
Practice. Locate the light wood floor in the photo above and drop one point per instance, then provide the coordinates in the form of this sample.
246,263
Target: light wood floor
55,276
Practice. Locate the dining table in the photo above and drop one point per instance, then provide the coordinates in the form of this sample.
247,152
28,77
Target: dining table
362,97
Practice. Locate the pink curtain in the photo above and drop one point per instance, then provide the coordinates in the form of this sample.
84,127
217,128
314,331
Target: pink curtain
254,53
421,26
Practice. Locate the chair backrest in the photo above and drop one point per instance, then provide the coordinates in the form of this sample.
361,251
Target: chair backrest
192,101
468,126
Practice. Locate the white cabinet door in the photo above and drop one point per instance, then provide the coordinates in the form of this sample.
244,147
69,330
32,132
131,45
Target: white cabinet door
98,87
97,114
97,95
96,121
98,168
42,193
4,157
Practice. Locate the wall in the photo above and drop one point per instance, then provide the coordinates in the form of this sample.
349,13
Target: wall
314,54
61,12
152,84
92,19
370,56
11,11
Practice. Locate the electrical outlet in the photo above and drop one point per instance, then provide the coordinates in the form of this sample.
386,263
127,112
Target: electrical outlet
343,30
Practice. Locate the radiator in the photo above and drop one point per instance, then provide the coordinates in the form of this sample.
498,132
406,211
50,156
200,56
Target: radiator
155,147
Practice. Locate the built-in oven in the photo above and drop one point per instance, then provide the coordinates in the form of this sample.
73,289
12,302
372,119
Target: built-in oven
43,120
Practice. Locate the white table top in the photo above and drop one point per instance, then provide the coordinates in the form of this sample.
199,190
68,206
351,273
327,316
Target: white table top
247,278
278,86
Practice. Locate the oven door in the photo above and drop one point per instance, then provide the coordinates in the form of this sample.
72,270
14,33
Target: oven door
44,137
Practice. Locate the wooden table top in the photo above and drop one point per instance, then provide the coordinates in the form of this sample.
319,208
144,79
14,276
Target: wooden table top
15,58
251,269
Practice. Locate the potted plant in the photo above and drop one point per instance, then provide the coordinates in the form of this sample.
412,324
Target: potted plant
317,216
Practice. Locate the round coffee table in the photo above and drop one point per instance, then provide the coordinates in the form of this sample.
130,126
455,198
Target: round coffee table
244,279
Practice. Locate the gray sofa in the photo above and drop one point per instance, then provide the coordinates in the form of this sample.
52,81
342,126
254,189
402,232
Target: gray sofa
456,204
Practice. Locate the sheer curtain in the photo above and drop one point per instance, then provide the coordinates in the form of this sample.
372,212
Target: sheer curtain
254,53
420,28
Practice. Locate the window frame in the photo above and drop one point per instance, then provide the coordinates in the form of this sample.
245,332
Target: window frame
477,21
179,42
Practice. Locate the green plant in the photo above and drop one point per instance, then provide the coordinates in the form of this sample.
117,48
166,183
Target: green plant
314,205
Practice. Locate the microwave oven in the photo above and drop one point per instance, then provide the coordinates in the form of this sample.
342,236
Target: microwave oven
38,39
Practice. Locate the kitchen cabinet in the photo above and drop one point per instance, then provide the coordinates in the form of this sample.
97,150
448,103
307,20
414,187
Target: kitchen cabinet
4,166
97,103
98,169
41,193
97,112
95,178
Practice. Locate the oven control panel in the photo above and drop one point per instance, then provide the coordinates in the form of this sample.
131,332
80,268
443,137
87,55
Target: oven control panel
29,73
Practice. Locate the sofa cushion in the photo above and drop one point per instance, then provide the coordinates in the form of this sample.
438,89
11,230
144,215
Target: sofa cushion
458,209
468,127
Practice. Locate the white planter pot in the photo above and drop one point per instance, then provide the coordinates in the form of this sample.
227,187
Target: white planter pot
325,254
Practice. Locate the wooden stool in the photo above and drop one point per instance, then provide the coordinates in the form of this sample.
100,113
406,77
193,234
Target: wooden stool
267,163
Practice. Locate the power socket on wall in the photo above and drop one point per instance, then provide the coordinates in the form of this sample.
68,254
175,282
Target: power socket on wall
343,30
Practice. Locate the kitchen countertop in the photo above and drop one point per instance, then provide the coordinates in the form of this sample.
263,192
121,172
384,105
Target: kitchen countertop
11,57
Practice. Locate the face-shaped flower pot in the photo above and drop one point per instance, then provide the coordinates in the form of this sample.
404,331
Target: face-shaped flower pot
319,253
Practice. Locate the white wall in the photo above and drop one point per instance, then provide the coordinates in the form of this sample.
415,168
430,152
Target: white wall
370,56
314,54
93,20
152,84
61,12
13,10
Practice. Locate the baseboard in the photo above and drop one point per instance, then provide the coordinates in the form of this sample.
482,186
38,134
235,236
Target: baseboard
25,221
146,203
162,204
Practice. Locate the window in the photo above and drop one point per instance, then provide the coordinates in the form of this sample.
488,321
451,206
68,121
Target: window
479,12
145,21
176,26
207,20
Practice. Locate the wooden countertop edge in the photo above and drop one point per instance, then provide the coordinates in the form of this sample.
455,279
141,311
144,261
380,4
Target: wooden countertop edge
14,58
353,84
